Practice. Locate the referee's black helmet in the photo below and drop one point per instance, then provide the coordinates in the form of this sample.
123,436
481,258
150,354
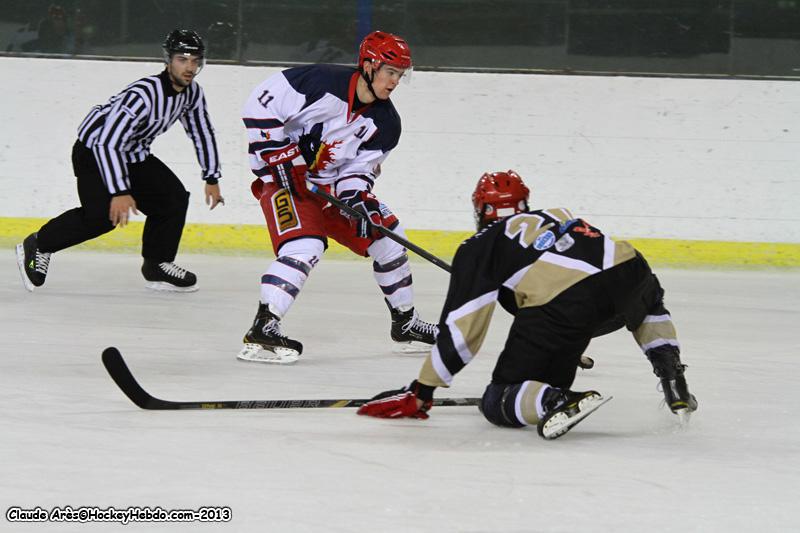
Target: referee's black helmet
183,42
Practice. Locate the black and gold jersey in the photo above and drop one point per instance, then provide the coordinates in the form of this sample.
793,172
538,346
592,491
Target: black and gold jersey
521,261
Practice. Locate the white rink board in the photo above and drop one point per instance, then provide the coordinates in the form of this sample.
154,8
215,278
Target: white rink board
71,438
639,157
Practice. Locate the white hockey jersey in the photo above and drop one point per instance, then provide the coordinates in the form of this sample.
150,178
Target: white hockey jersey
313,106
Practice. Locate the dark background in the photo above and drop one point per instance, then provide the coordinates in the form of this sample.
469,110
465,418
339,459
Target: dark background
747,38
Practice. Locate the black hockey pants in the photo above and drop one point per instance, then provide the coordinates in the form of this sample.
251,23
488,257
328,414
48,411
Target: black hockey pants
158,192
546,342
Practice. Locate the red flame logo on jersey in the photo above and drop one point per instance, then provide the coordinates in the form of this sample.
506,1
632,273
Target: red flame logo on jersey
325,156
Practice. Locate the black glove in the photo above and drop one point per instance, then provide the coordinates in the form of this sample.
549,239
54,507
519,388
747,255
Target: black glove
367,204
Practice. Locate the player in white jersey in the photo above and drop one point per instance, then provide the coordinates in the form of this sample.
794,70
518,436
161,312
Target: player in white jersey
117,174
333,126
565,283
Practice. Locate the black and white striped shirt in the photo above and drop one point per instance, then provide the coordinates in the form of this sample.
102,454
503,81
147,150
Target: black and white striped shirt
121,131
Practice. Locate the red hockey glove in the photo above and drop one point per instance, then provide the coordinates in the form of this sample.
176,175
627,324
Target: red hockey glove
401,403
366,203
287,167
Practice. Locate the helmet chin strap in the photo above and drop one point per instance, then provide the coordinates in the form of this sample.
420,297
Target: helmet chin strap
369,82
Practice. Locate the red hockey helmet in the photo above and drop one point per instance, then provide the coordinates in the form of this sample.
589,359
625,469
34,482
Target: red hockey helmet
498,195
381,47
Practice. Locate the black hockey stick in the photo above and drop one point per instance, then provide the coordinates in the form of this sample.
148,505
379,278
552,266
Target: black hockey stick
319,191
121,374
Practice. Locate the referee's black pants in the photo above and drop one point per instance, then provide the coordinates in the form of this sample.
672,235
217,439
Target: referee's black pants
158,193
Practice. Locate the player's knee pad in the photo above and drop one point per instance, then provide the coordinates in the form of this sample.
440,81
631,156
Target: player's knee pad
385,250
298,257
498,404
513,405
309,250
395,281
285,277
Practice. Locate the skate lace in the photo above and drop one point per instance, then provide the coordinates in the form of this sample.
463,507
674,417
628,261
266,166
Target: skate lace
420,325
660,388
42,262
171,269
273,327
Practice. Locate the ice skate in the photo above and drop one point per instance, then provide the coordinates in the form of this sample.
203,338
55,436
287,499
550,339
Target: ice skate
669,369
32,263
265,343
563,409
167,276
410,333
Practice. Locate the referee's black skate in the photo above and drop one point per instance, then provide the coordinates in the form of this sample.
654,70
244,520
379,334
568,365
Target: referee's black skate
667,366
32,263
167,276
265,343
411,333
563,409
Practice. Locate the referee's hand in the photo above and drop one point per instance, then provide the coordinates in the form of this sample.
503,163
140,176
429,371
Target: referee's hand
120,210
213,196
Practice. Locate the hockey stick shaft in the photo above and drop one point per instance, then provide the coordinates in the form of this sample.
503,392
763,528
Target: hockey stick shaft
319,191
122,376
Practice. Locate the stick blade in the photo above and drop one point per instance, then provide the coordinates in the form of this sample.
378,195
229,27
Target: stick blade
121,374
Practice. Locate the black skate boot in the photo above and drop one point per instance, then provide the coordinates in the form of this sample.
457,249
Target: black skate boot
410,332
32,263
563,409
168,276
667,366
265,343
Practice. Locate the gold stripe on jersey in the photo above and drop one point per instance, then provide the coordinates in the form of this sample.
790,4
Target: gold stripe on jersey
429,376
656,330
623,251
552,274
526,401
472,328
468,324
466,327
543,281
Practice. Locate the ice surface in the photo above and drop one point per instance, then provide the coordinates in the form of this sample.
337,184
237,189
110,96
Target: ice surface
69,436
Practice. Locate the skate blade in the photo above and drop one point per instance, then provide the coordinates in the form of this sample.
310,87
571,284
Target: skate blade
255,353
411,348
684,416
561,423
163,286
21,264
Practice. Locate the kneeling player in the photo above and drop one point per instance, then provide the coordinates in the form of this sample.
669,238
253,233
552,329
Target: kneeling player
565,282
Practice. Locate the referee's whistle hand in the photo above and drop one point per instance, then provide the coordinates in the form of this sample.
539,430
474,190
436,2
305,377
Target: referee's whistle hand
120,210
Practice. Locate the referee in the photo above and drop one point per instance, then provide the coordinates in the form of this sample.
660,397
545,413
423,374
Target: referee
117,174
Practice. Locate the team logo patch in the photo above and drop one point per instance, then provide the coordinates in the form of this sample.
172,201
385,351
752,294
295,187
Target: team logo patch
326,156
284,211
564,243
586,229
544,241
